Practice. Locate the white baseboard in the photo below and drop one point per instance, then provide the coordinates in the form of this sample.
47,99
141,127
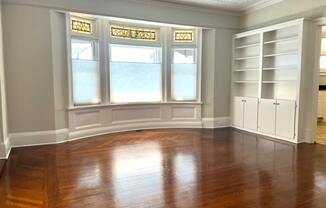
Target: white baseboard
132,127
219,122
38,138
63,135
5,149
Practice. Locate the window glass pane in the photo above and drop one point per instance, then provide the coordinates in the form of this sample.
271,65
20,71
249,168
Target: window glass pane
184,56
121,53
86,89
135,74
82,50
184,82
183,36
81,26
133,33
323,46
323,62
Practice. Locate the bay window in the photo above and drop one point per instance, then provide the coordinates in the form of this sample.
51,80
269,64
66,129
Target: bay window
116,64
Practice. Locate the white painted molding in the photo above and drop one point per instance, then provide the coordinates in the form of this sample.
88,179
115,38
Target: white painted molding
219,122
132,127
260,5
38,138
320,21
5,149
63,135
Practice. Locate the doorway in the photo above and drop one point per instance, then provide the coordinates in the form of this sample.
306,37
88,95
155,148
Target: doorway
321,111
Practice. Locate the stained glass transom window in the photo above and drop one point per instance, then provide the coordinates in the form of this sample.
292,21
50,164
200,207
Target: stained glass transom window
133,33
81,26
183,36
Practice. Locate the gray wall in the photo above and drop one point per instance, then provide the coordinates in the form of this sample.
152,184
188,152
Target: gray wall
28,68
35,55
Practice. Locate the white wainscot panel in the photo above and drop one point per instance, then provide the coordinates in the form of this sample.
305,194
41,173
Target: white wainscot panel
183,113
90,121
86,119
136,114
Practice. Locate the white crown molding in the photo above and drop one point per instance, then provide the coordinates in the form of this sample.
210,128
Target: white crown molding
219,122
260,5
155,3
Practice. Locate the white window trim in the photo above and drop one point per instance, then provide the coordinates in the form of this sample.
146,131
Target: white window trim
165,41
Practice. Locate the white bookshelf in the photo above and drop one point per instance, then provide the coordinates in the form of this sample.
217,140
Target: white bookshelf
266,67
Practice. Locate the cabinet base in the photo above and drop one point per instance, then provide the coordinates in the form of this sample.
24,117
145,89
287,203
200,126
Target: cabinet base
295,141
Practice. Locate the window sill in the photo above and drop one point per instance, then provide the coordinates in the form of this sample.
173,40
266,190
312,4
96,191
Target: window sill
131,104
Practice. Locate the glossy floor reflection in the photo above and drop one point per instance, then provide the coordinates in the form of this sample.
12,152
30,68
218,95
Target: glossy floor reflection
167,168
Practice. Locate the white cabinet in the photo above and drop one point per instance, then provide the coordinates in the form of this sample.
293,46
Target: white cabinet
277,117
250,113
267,66
285,119
238,106
245,113
266,116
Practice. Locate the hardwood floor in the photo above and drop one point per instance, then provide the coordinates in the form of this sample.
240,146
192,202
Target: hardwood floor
167,168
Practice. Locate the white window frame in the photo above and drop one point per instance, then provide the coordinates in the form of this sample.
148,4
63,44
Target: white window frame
165,36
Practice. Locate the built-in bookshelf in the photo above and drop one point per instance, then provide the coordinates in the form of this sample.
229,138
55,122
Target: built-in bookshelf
280,63
246,65
266,74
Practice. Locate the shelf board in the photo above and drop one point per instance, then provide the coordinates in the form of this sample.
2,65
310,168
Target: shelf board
246,58
282,54
282,40
245,70
277,81
290,67
247,45
247,81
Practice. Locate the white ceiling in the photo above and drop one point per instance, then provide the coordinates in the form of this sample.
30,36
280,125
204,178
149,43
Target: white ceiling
232,5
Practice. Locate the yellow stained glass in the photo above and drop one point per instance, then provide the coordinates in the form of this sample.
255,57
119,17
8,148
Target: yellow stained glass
184,36
133,33
81,26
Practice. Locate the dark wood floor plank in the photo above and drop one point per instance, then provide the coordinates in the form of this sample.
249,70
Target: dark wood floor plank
177,168
2,165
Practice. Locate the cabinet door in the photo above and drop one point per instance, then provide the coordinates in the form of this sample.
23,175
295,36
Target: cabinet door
266,116
250,113
285,119
238,111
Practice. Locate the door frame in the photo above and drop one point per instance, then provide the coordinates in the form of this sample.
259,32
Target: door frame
318,23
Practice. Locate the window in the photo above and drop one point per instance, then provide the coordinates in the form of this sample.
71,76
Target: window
184,74
85,72
133,33
118,62
81,26
135,74
183,36
323,54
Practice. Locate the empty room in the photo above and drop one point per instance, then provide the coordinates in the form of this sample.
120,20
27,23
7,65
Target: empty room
162,103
